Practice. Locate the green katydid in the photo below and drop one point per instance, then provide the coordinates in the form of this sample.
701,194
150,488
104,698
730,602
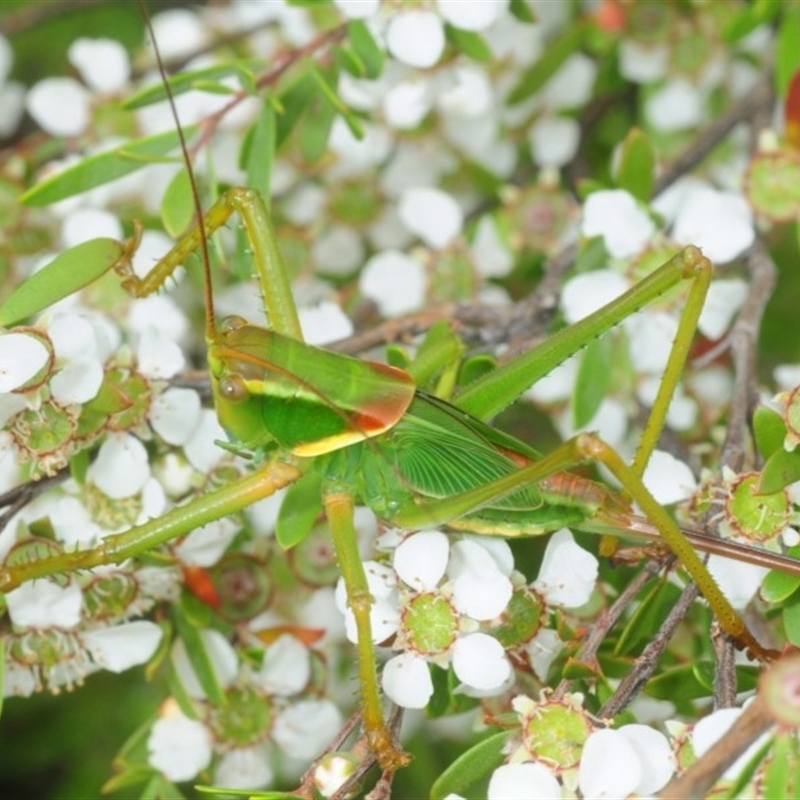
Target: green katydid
417,460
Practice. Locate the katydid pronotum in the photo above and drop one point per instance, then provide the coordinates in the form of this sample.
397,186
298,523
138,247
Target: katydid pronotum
369,436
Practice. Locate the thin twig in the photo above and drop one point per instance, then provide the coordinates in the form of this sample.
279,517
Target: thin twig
606,621
646,664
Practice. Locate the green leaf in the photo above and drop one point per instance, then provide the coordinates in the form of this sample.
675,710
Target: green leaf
769,430
472,767
787,48
593,380
749,17
778,587
329,93
104,168
67,273
781,469
636,169
195,79
315,131
293,103
365,47
347,60
469,43
521,10
177,205
791,621
300,509
199,657
557,52
258,152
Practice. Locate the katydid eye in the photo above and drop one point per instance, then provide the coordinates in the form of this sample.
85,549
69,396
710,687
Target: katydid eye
232,323
233,388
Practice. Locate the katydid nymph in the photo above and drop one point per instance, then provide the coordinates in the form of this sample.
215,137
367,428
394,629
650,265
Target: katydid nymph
364,433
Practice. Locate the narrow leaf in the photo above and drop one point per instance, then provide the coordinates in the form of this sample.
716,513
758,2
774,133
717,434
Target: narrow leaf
366,48
259,155
476,765
471,44
177,205
787,50
300,509
186,81
67,273
636,170
200,658
593,380
543,68
103,168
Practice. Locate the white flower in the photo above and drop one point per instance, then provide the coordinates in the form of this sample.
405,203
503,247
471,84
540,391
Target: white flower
121,468
59,105
416,37
44,604
590,291
676,106
175,414
568,573
480,662
286,669
84,224
157,355
720,223
78,382
527,781
338,250
178,747
724,299
201,450
476,15
406,679
480,589
21,357
244,768
304,729
554,140
123,646
615,215
610,766
470,94
420,560
641,64
395,281
668,479
492,257
103,63
204,546
354,9
325,322
432,214
407,104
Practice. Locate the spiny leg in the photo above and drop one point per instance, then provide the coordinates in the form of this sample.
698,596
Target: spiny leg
267,261
118,547
339,507
581,449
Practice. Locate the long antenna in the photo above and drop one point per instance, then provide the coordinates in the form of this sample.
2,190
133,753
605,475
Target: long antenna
208,295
